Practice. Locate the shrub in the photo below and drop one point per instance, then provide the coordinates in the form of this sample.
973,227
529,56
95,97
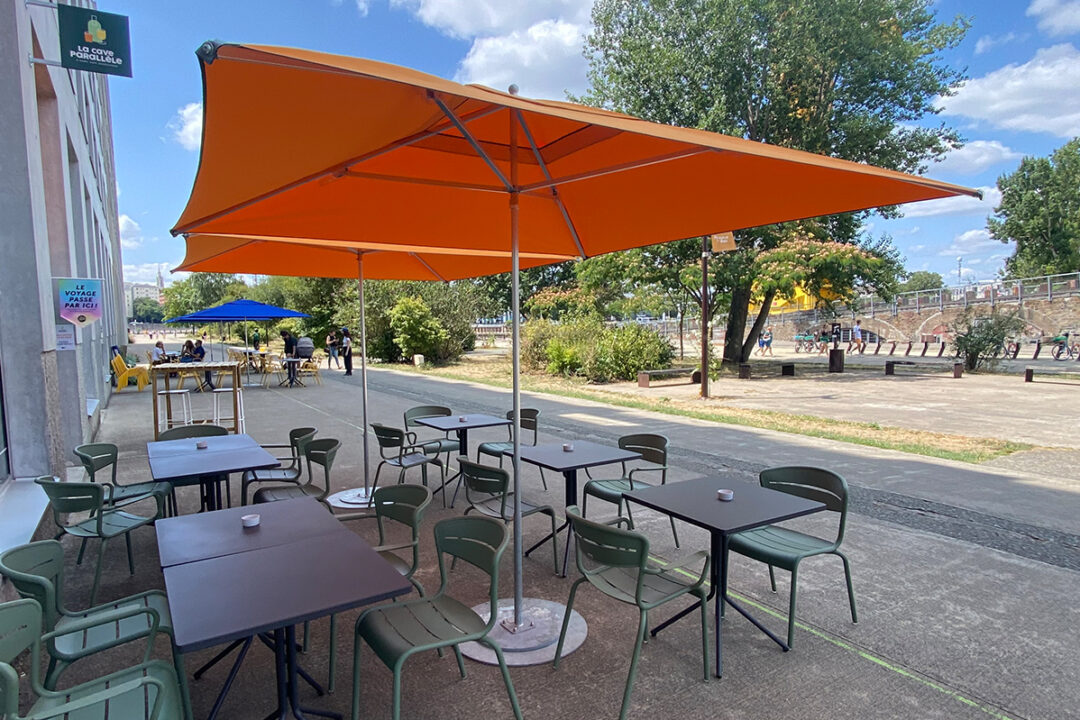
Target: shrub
980,338
416,330
621,352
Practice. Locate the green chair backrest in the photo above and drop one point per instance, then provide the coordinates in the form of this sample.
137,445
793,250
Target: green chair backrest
653,448
322,452
424,411
20,628
402,503
484,480
36,570
96,457
479,541
812,483
192,431
606,545
389,438
298,440
71,497
529,417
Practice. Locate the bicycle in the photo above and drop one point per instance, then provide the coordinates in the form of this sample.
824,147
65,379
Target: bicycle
1062,349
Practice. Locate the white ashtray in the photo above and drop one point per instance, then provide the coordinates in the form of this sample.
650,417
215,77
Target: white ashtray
250,520
725,495
568,447
462,418
201,445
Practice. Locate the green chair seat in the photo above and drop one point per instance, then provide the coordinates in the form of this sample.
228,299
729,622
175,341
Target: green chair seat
658,585
74,645
128,494
611,490
529,421
318,452
496,449
113,523
785,548
130,694
284,492
292,468
396,630
96,457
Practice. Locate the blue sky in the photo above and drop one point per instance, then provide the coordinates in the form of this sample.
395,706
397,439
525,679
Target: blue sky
1021,99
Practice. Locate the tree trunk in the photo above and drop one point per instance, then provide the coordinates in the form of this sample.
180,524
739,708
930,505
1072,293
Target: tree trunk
682,353
759,323
736,324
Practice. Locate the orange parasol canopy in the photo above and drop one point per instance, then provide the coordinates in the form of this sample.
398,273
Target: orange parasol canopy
305,145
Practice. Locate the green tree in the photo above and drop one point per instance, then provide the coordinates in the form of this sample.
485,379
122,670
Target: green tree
199,291
1040,212
416,330
847,78
147,310
921,280
979,338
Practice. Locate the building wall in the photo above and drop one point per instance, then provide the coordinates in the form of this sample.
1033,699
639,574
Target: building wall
58,202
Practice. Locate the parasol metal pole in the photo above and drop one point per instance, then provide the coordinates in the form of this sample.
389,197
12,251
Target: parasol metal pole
704,317
515,302
363,365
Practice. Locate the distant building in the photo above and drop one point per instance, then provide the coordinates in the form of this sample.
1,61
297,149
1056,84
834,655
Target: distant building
134,291
60,219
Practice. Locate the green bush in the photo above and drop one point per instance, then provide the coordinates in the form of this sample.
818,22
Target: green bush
586,347
416,330
980,338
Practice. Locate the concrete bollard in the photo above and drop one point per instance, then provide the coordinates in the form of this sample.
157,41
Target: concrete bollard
418,360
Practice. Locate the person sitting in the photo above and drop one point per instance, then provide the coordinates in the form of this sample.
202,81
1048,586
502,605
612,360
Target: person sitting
158,354
187,354
200,356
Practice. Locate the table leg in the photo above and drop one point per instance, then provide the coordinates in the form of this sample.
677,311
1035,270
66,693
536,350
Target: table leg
463,449
281,675
719,543
246,644
570,498
293,668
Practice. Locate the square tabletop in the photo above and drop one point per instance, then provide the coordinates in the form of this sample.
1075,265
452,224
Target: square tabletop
584,455
236,596
695,502
175,459
449,423
189,538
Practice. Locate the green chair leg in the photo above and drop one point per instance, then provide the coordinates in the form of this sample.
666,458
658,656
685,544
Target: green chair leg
674,532
82,548
506,677
460,661
356,680
566,621
643,624
181,676
850,587
555,543
772,578
97,572
791,606
397,690
131,558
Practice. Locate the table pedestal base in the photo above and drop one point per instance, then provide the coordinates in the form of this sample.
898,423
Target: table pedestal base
535,640
352,499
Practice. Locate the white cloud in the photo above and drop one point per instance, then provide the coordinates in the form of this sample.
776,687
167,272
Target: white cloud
917,248
1056,17
970,242
130,233
480,18
362,7
148,272
186,126
976,156
544,61
1038,96
988,42
959,205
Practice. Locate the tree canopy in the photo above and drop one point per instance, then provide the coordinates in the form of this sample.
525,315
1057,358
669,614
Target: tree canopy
1040,213
847,78
921,280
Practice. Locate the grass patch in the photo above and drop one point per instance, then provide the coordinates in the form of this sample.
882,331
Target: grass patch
495,371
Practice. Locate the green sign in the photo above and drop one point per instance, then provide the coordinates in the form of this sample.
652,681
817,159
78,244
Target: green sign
94,41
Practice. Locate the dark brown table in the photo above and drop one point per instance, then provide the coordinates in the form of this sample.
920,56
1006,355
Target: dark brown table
454,423
267,591
695,502
178,460
584,455
190,538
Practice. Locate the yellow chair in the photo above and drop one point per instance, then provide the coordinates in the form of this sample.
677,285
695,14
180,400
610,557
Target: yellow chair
310,368
124,373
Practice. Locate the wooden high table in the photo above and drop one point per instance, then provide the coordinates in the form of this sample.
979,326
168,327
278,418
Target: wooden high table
164,370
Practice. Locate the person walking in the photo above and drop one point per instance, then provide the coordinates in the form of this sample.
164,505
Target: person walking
856,337
766,338
332,350
346,349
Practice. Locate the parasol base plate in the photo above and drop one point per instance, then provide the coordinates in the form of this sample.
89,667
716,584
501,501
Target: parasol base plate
533,641
351,499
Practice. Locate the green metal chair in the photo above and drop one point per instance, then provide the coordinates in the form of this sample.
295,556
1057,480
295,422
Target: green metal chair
292,468
148,690
404,504
207,482
529,418
395,450
397,631
319,452
487,490
618,566
437,445
785,548
96,457
36,570
104,522
653,449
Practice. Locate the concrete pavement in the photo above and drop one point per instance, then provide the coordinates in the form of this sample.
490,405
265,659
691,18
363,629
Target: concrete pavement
966,578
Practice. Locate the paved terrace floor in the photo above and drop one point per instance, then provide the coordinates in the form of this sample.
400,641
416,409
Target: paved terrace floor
966,577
